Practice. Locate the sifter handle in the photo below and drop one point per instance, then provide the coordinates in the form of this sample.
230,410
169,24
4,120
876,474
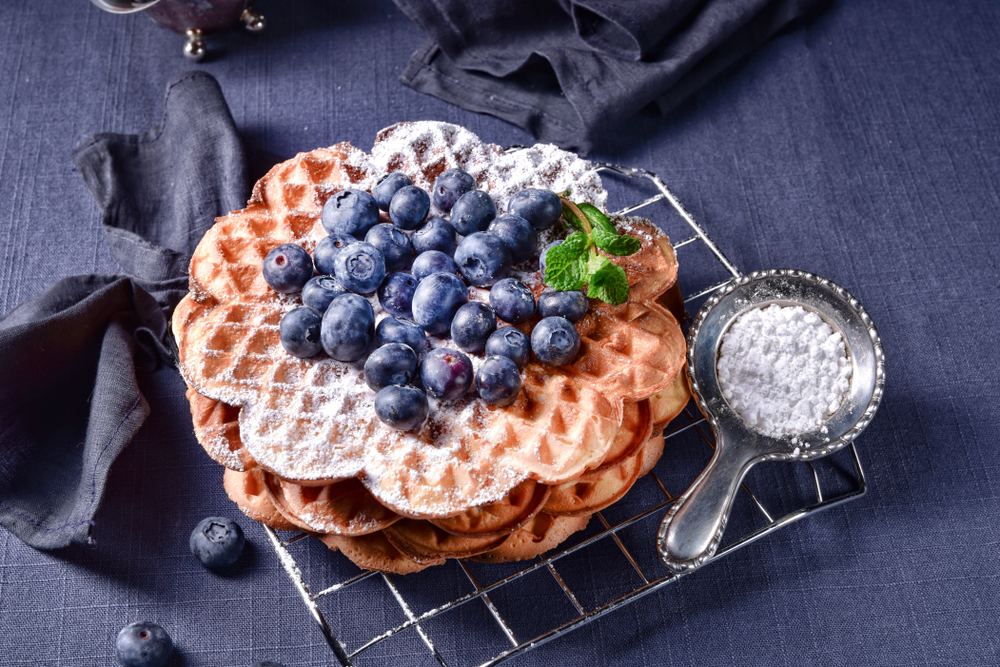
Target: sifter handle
691,531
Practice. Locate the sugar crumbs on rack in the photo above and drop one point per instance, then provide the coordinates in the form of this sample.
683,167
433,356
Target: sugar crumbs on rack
783,369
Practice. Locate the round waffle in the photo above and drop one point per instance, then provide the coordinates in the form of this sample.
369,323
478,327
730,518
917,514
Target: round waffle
299,436
310,421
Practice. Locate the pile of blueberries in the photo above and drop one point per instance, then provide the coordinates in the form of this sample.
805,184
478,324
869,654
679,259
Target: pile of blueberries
421,270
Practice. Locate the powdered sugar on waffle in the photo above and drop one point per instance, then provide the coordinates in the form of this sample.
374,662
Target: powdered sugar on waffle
313,420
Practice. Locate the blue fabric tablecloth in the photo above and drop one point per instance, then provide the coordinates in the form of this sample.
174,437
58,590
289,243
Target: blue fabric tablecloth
864,147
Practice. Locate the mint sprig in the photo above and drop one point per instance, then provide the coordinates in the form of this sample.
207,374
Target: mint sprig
575,262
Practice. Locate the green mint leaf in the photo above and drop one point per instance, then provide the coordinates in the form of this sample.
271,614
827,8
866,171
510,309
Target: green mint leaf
609,284
605,236
570,217
596,218
618,244
566,263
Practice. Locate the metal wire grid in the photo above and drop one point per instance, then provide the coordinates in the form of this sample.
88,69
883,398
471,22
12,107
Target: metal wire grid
653,577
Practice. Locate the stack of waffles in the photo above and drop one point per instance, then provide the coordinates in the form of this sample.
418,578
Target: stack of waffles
300,442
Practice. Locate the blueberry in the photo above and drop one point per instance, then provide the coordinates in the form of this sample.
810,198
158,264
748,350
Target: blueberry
387,186
360,267
498,381
555,341
437,298
143,644
401,408
391,330
300,332
393,244
287,268
351,212
320,291
572,305
472,325
409,207
451,185
541,208
512,301
217,541
328,248
396,294
394,363
436,234
446,373
348,327
541,257
511,343
473,212
483,259
518,234
433,261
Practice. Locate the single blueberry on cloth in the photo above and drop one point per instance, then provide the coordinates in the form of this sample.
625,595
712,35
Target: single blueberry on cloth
69,357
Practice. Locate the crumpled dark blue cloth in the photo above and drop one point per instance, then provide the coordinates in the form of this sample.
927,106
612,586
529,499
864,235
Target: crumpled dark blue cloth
571,71
69,398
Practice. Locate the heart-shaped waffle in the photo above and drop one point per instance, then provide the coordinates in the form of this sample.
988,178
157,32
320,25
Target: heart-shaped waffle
310,421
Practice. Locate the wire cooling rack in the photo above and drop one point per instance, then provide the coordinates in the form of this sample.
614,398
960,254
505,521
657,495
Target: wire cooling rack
478,614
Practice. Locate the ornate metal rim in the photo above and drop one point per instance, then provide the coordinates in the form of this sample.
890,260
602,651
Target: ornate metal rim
879,355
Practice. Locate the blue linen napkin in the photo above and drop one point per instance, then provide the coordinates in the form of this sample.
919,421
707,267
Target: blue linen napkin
570,71
69,358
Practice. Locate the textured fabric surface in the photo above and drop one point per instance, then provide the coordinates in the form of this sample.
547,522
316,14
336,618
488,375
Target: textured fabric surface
78,344
569,71
864,147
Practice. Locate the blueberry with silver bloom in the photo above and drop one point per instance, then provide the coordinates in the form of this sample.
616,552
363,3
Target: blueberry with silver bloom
446,374
217,541
541,208
394,363
387,187
473,212
401,408
512,301
451,185
360,267
483,259
436,234
287,268
393,244
433,261
498,381
409,207
320,291
299,332
541,257
395,294
143,644
348,327
571,304
511,343
351,212
518,234
555,341
436,300
391,330
328,248
472,325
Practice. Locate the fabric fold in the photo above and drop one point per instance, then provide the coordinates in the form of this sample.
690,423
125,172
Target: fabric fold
577,70
70,357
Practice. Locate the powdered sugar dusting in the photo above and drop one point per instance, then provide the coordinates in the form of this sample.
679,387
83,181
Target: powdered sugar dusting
783,369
